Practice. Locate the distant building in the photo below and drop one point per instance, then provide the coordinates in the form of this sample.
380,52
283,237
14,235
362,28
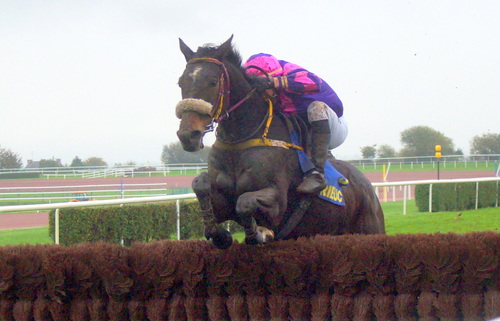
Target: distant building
31,164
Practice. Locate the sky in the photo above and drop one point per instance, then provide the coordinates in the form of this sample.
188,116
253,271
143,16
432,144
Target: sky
92,78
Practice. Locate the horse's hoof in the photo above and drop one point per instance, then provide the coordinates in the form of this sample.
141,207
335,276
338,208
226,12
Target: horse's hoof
222,239
267,235
263,236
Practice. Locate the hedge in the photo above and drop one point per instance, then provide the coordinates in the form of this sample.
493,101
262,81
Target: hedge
18,175
456,196
128,224
351,277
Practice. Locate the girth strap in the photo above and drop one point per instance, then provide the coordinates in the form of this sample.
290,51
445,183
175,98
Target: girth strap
255,143
263,141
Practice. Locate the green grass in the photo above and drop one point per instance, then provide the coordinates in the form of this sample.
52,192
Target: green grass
69,175
367,168
485,219
39,235
418,167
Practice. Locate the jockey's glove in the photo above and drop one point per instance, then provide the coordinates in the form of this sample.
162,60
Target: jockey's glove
261,84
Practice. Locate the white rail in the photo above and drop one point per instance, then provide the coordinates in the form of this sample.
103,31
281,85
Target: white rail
57,206
102,191
431,182
148,199
34,207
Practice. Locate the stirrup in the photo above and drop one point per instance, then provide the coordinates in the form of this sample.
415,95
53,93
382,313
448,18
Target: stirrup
313,183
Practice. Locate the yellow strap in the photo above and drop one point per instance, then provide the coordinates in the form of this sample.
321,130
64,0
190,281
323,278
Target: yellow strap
269,118
256,143
220,103
264,141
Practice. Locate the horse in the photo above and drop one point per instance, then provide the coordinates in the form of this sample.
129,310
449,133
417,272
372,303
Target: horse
253,167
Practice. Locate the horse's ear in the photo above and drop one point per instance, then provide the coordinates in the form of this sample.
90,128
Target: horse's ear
223,49
188,53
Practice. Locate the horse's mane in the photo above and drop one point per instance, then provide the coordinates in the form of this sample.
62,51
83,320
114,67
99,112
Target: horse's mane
232,56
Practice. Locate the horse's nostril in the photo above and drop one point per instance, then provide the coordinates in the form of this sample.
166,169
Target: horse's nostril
181,135
195,134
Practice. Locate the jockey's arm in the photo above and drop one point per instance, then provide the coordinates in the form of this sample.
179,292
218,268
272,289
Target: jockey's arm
298,81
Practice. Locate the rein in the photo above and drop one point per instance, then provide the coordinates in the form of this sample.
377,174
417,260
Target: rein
222,103
263,141
223,97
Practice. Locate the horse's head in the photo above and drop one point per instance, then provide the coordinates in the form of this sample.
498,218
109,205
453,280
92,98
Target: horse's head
205,92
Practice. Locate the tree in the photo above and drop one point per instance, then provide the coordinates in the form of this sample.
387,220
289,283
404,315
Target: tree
95,161
52,162
369,151
9,159
385,151
422,140
174,154
488,143
76,162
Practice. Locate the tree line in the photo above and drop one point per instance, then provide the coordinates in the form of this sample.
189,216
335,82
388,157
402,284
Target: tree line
10,159
416,141
421,141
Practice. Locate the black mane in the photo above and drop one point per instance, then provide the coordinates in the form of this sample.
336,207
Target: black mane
232,56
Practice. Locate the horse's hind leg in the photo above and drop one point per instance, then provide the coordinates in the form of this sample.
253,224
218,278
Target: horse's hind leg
221,238
264,201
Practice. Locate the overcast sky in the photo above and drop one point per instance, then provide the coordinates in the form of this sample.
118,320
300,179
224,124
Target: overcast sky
99,78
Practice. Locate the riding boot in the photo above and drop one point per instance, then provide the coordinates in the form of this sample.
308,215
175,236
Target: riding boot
314,182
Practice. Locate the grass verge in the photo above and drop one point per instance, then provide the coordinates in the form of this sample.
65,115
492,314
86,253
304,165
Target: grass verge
39,235
485,219
430,166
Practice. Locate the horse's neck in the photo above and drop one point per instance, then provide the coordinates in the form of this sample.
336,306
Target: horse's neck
245,120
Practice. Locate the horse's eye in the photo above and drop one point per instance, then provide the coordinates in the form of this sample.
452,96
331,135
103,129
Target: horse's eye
214,83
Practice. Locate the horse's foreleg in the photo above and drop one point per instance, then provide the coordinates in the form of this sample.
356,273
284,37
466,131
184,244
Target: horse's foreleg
221,238
264,201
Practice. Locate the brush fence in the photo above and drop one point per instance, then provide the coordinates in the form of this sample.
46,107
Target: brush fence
404,277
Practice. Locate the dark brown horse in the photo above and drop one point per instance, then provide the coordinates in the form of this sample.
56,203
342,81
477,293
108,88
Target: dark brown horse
253,169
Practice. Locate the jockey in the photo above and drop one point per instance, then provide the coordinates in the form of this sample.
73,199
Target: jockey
305,94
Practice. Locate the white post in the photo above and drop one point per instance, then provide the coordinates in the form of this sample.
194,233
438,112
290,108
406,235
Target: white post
477,194
404,199
56,226
177,207
496,201
430,198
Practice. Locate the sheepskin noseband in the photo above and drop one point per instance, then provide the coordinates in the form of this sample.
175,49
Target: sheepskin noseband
193,104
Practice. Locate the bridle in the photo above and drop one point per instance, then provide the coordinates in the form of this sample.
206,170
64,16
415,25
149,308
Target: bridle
221,111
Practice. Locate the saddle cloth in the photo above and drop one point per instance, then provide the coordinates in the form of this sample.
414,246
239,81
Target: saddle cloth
335,180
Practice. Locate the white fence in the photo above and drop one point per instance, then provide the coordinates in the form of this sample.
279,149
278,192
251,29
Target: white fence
49,194
406,187
470,161
105,171
57,206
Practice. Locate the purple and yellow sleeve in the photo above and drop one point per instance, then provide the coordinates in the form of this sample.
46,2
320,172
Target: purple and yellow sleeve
296,79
